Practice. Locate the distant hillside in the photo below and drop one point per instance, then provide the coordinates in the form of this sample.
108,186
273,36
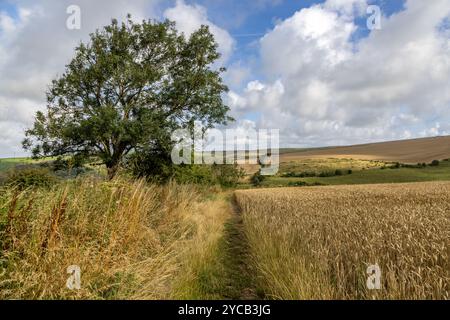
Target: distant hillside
405,151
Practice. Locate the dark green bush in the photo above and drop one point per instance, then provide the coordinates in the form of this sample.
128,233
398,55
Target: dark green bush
308,174
30,177
257,179
304,184
326,174
339,172
225,175
435,163
305,174
297,184
69,163
396,165
158,167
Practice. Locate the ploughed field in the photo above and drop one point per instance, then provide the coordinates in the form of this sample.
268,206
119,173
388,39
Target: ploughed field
317,242
405,151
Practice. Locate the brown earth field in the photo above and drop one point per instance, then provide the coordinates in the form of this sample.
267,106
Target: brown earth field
404,151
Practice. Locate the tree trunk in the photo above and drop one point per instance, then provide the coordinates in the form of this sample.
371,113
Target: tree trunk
112,170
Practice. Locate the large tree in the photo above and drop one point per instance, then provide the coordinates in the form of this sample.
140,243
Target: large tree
127,90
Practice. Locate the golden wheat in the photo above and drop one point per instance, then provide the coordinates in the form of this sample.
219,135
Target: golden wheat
316,243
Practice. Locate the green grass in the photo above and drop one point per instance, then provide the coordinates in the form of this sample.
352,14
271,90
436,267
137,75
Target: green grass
320,165
9,163
373,176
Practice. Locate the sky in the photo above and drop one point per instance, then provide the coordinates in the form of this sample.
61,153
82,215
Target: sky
312,69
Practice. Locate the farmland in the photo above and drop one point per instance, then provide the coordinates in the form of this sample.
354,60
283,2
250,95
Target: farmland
139,240
405,151
371,175
316,243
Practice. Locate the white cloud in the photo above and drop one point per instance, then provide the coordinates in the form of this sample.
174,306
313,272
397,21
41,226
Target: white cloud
237,73
189,18
318,85
348,8
312,39
336,91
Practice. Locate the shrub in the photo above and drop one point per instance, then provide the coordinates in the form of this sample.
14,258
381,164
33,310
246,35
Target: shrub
68,167
396,165
30,177
304,184
158,167
326,174
64,164
297,184
305,174
224,175
308,174
257,179
434,163
339,172
227,175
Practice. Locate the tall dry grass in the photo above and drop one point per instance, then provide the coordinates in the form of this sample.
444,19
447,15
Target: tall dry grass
130,239
316,243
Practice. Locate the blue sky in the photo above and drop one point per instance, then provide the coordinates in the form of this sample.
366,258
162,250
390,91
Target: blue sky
311,69
248,21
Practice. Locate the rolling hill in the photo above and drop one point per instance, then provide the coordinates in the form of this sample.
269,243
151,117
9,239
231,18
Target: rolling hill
404,151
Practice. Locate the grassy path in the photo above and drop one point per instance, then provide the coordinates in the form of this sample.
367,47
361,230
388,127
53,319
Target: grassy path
223,272
235,256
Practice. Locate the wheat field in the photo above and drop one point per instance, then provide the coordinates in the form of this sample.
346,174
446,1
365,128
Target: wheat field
317,243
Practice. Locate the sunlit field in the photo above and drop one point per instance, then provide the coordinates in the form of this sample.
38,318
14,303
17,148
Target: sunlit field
317,243
131,240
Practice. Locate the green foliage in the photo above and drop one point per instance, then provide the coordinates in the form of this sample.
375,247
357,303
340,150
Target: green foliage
304,174
322,174
401,175
435,163
193,174
30,177
228,175
304,184
158,166
127,90
223,175
397,165
68,163
257,179
325,174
